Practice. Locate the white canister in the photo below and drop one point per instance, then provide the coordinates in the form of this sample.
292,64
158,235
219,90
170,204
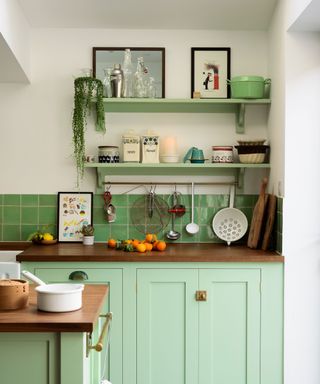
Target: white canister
131,147
222,154
150,149
108,154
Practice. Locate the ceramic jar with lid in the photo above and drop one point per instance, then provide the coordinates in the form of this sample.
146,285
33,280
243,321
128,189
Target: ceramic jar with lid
108,154
150,148
131,147
222,154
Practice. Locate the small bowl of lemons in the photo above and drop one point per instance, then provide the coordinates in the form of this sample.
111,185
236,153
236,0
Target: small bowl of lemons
41,237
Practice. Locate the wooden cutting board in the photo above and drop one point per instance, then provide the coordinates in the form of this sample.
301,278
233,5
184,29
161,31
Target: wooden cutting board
271,213
257,216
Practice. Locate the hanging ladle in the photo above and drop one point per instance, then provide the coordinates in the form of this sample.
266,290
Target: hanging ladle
109,208
192,228
173,234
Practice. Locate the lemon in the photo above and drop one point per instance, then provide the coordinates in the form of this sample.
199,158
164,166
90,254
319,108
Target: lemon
47,236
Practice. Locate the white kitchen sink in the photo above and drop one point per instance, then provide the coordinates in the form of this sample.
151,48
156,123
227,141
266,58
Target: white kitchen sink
9,268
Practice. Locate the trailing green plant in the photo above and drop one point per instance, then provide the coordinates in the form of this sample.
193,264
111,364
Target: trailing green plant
87,230
85,89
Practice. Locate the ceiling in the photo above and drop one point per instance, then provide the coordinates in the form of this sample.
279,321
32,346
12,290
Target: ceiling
150,14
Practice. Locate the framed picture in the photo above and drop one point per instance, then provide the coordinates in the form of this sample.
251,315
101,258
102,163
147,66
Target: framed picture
210,69
154,60
74,210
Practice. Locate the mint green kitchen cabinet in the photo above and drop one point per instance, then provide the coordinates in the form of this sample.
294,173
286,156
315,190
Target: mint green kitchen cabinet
162,334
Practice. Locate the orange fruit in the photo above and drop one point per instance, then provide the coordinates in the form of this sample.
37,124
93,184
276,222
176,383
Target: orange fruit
151,237
112,243
141,248
135,242
148,246
154,245
161,245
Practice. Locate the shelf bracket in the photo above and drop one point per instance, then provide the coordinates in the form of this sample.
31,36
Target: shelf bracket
240,118
240,178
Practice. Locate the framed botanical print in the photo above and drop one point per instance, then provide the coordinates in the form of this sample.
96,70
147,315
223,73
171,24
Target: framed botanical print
74,210
210,70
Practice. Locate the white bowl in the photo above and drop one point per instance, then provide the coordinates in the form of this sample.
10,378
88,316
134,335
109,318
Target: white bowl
169,158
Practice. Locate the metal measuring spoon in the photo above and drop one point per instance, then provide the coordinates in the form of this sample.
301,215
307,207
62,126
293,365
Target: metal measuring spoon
109,208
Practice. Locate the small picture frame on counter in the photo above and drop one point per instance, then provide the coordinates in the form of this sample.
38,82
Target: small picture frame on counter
210,70
75,209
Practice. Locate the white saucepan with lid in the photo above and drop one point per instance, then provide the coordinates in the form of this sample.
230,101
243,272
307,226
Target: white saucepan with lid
56,297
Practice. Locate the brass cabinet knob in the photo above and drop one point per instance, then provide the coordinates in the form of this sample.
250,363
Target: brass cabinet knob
201,295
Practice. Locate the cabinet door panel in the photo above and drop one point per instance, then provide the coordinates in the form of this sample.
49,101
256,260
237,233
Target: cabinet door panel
229,332
167,324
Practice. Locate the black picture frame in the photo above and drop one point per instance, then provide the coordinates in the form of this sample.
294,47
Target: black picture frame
99,61
75,209
210,70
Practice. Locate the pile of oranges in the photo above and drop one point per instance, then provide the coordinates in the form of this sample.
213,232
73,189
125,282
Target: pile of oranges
150,243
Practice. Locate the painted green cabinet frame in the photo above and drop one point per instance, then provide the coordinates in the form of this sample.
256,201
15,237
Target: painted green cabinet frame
155,302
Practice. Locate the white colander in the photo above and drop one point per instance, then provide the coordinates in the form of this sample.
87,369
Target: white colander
230,224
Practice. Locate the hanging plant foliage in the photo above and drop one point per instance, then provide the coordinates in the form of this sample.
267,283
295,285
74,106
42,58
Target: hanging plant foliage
85,89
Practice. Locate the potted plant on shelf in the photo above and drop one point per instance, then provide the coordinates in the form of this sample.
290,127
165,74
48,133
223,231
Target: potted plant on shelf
86,88
88,234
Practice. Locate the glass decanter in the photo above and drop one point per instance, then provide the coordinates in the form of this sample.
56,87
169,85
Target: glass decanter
128,74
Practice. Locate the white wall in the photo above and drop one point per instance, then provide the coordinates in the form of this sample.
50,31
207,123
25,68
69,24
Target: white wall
302,209
15,48
36,137
295,63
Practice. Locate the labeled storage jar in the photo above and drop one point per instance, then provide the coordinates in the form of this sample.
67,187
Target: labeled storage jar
108,154
150,149
131,147
222,154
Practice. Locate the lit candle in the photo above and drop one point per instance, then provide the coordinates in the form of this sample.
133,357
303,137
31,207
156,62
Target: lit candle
169,146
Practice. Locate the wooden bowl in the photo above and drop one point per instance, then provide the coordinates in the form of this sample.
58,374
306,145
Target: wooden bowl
14,294
48,242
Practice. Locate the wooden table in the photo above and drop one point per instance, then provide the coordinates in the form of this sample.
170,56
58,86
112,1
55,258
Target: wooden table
29,319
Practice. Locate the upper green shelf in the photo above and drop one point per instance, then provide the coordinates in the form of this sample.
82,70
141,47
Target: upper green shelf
170,169
236,106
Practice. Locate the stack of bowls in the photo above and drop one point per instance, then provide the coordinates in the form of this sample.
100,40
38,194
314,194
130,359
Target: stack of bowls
252,151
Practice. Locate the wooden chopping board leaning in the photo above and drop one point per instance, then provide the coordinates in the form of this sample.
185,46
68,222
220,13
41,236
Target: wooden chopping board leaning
257,216
272,205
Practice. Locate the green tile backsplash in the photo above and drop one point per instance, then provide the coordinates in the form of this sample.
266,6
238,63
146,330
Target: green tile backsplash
21,215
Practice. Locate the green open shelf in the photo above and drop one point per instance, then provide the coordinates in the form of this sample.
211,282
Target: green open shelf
171,169
236,106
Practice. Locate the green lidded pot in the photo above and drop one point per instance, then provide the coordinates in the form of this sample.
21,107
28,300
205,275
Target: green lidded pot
249,87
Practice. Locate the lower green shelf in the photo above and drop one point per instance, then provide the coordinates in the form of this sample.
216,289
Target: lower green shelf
172,169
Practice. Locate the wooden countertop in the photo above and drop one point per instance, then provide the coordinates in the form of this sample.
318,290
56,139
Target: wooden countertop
29,319
182,252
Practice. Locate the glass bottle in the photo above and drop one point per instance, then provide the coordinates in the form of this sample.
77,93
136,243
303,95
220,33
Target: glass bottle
107,83
151,89
128,74
139,79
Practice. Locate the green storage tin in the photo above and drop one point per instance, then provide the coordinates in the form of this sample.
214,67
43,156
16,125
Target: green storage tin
248,87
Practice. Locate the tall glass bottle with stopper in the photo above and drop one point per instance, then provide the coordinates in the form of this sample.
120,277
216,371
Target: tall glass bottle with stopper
139,79
128,74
